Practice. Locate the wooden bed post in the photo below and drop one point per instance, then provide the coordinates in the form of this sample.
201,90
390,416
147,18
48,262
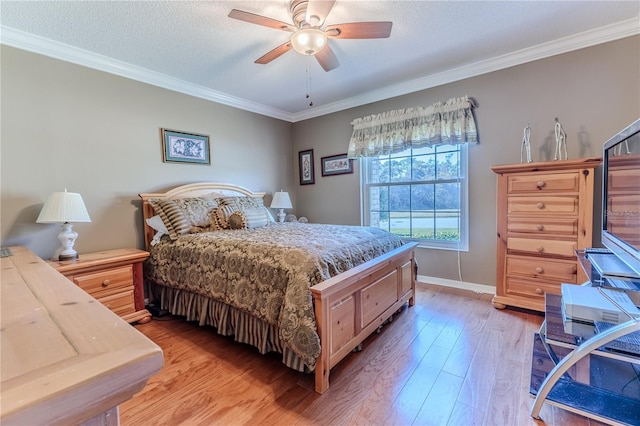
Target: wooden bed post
322,367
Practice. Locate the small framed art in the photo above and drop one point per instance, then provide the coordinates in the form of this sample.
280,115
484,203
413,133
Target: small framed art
181,147
336,165
305,160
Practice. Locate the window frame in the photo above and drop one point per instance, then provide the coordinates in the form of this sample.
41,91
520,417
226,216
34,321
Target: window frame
462,179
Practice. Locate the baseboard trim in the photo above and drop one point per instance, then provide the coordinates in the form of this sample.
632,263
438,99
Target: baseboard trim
478,288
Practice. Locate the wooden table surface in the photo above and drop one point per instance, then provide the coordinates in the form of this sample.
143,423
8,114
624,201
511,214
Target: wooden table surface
65,357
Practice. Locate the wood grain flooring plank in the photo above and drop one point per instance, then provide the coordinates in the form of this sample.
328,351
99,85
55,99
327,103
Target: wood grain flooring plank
440,402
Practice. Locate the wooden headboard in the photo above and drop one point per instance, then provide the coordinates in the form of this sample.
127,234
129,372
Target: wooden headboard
187,191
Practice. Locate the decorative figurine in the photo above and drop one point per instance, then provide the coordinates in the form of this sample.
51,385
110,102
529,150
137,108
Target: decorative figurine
526,147
561,141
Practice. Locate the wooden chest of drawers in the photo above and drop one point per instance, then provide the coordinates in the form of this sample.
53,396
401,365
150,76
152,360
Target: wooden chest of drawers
544,214
113,277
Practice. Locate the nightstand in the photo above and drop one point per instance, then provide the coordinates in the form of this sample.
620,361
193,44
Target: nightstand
113,277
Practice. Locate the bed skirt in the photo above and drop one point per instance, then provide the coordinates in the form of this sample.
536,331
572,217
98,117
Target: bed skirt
229,321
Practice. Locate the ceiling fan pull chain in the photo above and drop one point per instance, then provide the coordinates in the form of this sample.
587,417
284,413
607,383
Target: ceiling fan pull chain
308,80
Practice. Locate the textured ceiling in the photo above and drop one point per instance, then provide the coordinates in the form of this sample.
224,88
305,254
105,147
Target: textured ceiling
195,48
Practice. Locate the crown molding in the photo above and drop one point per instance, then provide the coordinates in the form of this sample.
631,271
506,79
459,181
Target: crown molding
37,44
64,52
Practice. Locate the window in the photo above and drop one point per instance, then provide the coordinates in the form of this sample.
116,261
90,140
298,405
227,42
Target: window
419,194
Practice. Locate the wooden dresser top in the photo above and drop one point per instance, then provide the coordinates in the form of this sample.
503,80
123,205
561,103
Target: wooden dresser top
65,357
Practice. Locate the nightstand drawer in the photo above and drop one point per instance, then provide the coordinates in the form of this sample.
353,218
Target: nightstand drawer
107,282
120,303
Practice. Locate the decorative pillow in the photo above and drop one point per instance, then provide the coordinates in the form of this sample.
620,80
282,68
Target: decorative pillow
157,224
184,215
214,224
241,202
196,210
249,218
228,205
172,217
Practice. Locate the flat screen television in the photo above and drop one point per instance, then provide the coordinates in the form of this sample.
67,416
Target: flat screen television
621,196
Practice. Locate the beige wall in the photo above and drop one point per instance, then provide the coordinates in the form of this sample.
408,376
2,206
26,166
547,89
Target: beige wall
595,92
98,134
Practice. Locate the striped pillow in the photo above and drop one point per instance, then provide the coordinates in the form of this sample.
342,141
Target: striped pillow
172,216
185,215
249,218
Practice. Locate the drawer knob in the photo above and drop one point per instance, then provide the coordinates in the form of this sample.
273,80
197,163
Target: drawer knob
539,270
540,205
539,249
540,227
539,291
541,184
106,283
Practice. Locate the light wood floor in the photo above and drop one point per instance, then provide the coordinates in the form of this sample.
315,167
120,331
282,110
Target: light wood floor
452,359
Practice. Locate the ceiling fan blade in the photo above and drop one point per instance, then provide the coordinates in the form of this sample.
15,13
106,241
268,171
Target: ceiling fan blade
318,10
360,30
275,53
327,59
260,20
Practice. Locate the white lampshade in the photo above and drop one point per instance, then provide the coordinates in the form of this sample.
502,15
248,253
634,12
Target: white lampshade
281,200
64,207
308,41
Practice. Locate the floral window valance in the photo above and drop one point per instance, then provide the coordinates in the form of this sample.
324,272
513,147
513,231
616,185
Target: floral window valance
448,122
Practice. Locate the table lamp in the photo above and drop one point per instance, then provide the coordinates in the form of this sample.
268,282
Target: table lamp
64,207
281,201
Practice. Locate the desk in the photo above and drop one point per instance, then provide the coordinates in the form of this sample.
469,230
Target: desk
575,372
66,359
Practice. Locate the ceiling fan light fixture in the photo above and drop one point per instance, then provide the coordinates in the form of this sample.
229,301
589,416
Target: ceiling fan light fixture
308,41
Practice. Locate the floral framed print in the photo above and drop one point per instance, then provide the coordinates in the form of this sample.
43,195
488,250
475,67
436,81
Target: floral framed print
305,160
336,165
181,147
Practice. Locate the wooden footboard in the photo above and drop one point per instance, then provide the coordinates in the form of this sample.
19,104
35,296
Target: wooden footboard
352,305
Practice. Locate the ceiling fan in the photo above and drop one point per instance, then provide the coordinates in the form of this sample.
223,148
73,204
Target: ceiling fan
309,34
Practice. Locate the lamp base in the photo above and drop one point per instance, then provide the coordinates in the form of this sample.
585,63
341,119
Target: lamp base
64,257
281,215
67,238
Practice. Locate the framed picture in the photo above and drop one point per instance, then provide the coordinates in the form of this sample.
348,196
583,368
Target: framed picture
305,160
336,165
181,147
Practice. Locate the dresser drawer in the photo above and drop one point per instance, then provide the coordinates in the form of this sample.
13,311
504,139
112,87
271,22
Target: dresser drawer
624,180
106,282
543,226
556,182
552,205
536,267
530,288
542,247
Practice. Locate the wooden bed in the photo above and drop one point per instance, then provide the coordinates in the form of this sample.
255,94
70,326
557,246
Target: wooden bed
348,307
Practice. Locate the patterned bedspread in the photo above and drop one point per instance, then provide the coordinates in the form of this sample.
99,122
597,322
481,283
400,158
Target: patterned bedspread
267,271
